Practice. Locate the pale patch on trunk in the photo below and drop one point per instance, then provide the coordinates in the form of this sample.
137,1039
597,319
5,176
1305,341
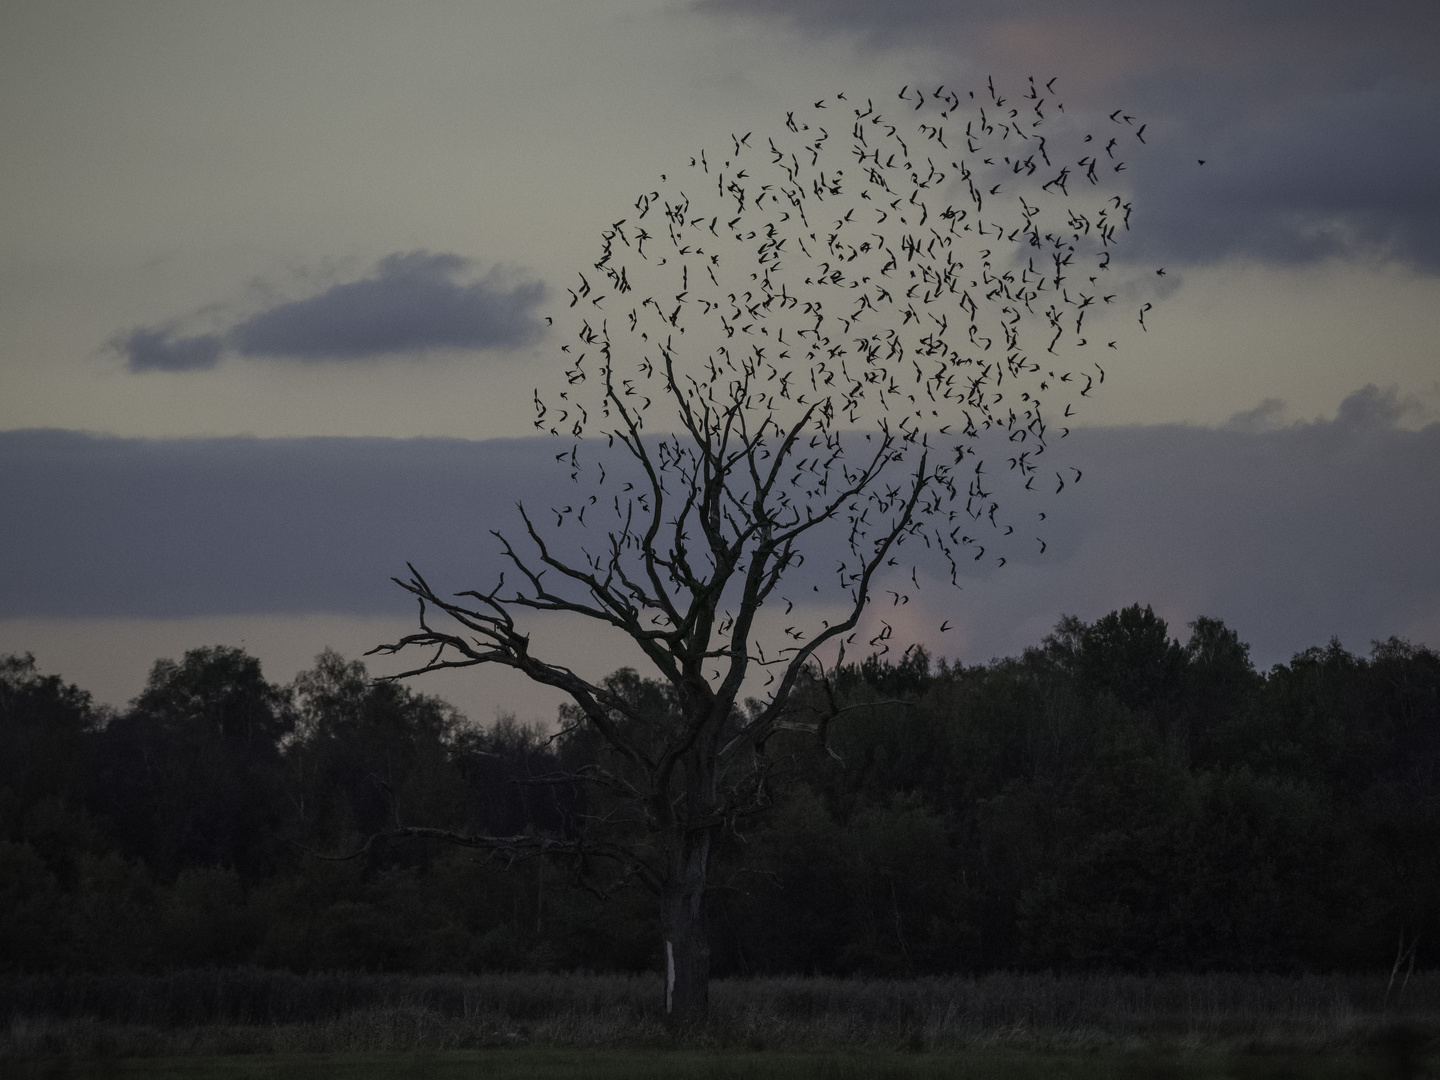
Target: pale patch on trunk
669,976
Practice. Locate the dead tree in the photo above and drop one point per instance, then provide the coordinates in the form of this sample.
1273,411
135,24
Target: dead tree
806,345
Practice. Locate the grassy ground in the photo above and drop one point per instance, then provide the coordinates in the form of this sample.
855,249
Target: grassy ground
551,1064
244,1023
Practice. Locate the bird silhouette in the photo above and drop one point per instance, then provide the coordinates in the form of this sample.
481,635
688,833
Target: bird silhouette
877,290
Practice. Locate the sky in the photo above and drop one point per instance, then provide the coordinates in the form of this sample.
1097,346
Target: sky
274,280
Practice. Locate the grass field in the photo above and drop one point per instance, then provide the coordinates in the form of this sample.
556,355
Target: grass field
245,1022
552,1064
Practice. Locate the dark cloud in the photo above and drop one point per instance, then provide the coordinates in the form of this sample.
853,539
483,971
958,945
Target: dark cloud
412,302
1350,175
159,349
108,526
1291,533
1295,532
1264,417
1375,409
1359,32
1319,121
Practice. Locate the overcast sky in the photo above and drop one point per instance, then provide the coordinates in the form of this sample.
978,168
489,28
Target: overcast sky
299,219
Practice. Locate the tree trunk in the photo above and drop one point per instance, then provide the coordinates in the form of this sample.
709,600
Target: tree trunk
687,935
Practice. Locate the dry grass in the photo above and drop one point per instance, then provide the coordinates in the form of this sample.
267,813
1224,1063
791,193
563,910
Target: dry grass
208,1013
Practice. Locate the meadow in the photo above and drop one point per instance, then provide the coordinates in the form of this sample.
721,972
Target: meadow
247,1022
736,1065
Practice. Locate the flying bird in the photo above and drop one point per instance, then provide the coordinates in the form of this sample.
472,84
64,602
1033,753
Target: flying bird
859,279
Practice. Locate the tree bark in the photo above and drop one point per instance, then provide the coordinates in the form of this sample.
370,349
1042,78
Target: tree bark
685,923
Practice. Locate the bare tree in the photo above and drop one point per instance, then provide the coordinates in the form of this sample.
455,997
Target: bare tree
805,346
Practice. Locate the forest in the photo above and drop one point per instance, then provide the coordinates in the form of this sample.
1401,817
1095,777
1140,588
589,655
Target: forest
1112,800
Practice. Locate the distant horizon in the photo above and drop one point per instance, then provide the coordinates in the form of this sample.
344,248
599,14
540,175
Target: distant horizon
454,680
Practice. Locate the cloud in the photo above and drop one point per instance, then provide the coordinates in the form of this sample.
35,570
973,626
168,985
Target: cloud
1233,35
175,527
1319,121
1290,533
1264,417
411,303
159,349
1373,408
1347,175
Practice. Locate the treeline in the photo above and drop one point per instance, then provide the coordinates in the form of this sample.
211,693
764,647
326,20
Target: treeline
1111,799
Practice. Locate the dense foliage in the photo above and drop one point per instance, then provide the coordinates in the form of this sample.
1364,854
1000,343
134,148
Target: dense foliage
1111,799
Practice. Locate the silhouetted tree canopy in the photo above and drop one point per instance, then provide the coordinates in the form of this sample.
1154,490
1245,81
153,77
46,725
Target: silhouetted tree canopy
1113,798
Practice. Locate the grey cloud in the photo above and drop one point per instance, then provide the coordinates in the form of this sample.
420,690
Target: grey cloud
1298,532
159,349
1291,533
1264,417
1343,22
1349,175
412,302
1319,121
109,526
1371,407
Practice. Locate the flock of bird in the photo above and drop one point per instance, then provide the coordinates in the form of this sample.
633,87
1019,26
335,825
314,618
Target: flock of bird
876,293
